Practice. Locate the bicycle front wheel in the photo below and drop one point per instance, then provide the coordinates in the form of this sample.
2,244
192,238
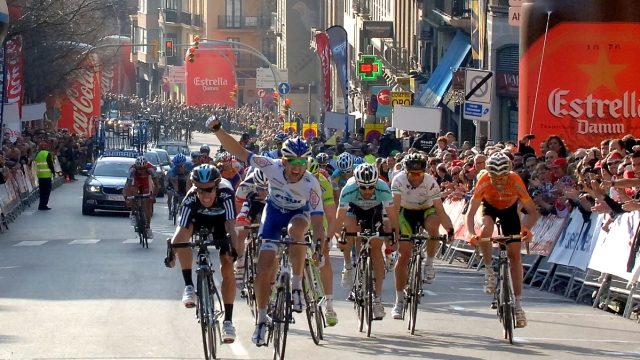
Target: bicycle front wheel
368,295
248,279
206,308
507,305
358,291
281,319
416,289
313,311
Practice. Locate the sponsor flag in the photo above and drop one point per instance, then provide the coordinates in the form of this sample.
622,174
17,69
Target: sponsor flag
373,131
81,99
309,130
211,78
14,63
324,53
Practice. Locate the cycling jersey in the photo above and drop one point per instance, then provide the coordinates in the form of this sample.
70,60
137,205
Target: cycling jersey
327,190
246,189
140,179
180,178
275,154
351,196
420,197
513,191
338,180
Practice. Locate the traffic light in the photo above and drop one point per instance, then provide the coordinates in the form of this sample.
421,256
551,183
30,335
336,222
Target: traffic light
191,54
168,48
196,41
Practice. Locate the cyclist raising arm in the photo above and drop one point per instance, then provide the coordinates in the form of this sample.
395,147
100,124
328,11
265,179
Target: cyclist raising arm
209,204
294,201
499,190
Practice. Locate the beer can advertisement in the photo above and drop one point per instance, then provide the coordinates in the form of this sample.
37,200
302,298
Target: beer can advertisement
579,79
210,78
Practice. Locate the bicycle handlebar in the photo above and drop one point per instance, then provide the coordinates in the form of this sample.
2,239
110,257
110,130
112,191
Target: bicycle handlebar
251,227
422,237
505,240
146,196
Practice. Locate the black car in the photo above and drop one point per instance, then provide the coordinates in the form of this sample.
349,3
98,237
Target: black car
104,185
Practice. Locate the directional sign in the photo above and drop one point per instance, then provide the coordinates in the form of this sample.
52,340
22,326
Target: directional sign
476,111
261,93
284,88
265,79
478,86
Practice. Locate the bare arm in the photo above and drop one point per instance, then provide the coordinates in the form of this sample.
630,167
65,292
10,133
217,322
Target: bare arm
229,143
471,213
445,220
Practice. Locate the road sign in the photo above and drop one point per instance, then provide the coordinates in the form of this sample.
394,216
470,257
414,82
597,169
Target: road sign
261,93
476,111
175,74
265,79
283,88
384,97
478,86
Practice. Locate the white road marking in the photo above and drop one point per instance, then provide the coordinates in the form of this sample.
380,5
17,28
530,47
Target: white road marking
84,242
31,243
457,308
430,293
131,241
29,212
470,289
7,267
568,341
238,350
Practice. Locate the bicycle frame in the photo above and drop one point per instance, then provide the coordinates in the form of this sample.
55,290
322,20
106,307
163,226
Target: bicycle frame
141,219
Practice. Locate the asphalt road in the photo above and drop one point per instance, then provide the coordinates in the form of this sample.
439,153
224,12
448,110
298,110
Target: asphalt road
80,287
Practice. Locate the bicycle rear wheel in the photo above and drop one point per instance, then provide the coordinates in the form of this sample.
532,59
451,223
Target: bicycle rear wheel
206,308
414,298
248,279
368,295
281,319
313,311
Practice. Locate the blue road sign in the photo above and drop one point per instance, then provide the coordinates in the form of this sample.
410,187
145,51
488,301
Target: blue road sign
283,88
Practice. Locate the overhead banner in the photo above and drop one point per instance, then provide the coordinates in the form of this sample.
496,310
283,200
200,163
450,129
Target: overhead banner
578,80
324,53
118,73
80,103
211,78
15,72
309,131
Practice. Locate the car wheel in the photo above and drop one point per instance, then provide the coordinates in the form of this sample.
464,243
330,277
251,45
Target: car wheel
86,210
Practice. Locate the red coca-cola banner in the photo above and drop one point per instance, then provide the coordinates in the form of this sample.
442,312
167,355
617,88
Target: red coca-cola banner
211,78
15,72
81,99
117,70
324,53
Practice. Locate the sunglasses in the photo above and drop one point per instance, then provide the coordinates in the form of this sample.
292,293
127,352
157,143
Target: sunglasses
297,161
370,187
208,190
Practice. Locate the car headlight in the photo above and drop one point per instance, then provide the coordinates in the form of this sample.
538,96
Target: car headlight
94,188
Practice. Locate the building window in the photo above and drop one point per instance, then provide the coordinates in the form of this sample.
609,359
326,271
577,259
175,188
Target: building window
140,38
171,4
233,13
142,5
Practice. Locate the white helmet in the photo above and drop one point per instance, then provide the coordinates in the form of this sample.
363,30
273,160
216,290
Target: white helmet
366,174
345,162
141,161
498,164
259,179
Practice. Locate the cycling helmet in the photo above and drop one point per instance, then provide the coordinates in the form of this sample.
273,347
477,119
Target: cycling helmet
179,159
366,174
195,154
223,157
498,164
357,160
295,147
345,162
259,179
205,174
312,165
415,161
322,158
281,137
205,149
141,161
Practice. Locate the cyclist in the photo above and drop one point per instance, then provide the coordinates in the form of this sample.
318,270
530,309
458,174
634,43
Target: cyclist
224,163
417,198
499,190
323,161
209,204
326,270
280,138
294,201
250,201
138,184
342,173
364,198
205,150
177,180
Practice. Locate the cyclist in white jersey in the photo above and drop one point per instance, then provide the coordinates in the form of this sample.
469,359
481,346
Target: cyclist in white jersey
295,200
416,195
363,198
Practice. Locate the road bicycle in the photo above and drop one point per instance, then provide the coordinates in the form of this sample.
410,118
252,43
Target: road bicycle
174,206
362,290
209,309
504,298
413,291
137,210
314,295
250,267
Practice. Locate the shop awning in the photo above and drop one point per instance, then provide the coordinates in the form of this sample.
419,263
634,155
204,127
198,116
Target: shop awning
432,92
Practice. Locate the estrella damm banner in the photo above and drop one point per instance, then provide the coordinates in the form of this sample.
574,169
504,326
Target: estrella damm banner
309,131
373,131
291,126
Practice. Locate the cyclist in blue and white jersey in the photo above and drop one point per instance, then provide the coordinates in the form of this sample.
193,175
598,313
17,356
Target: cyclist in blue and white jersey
294,202
279,140
363,198
340,175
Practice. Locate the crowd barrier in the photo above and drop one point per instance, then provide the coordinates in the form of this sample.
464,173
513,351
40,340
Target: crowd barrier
19,191
571,255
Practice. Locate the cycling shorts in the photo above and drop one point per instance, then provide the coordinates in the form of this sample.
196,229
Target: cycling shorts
371,218
509,217
273,220
411,220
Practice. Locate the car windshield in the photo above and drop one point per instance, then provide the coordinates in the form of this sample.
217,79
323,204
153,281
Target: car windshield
173,149
152,158
110,168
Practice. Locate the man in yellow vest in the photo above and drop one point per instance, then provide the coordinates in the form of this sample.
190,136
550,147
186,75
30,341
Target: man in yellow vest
44,165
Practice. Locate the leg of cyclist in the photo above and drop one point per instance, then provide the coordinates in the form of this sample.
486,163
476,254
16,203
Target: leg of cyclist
486,248
185,257
148,211
297,230
170,200
265,274
351,225
432,224
326,276
510,221
228,296
402,264
377,260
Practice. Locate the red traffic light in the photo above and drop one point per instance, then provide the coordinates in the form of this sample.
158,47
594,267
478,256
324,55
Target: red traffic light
192,50
196,38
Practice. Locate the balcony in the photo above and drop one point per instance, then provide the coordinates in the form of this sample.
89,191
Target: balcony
169,15
185,18
196,20
248,61
243,22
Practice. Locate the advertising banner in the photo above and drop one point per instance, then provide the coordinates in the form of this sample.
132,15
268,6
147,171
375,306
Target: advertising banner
611,251
373,131
211,78
324,53
118,74
80,103
290,127
579,79
574,244
15,72
309,130
383,97
338,42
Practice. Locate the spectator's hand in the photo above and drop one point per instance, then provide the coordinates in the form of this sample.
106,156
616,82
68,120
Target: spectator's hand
601,207
631,205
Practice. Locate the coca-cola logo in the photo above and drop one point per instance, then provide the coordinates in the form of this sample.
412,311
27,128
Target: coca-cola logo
81,96
14,70
108,75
